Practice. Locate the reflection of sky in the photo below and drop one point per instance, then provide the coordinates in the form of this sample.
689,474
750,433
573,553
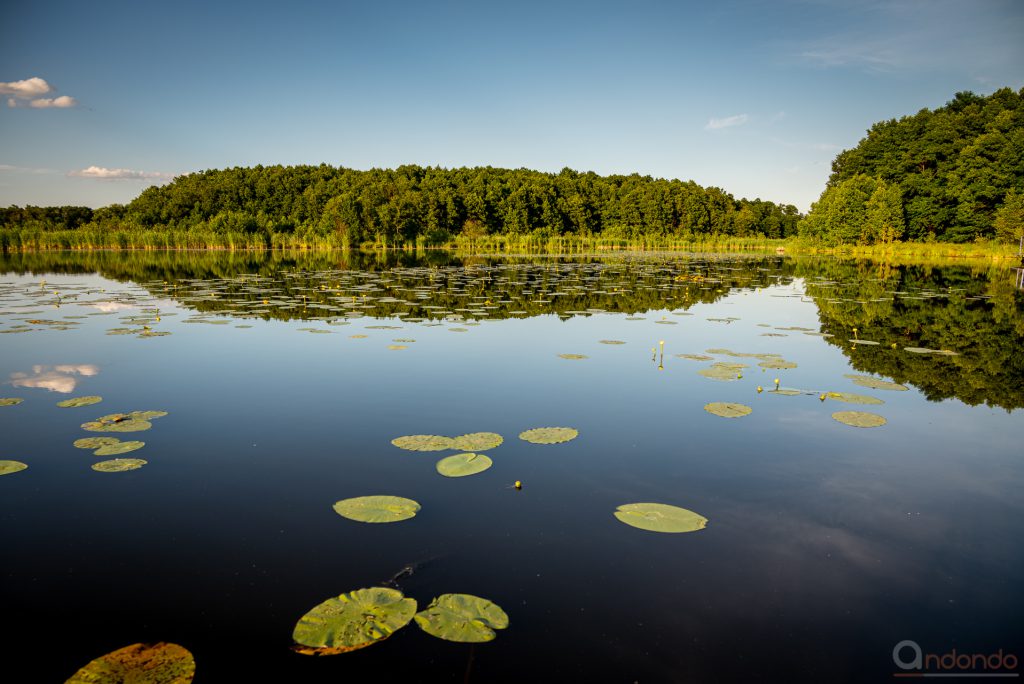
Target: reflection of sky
63,378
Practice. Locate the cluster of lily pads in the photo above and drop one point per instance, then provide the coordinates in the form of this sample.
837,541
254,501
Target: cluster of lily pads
728,371
135,421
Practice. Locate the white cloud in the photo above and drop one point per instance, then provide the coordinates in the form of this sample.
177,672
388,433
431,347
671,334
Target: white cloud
62,102
102,173
25,89
28,93
738,120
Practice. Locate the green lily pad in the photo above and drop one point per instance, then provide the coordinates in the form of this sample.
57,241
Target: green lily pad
695,357
126,425
79,401
95,442
573,357
377,509
777,364
8,467
10,401
722,373
861,419
851,398
118,465
159,663
423,443
477,441
352,621
146,415
786,392
548,435
611,342
876,383
657,517
867,342
118,448
461,465
728,409
462,617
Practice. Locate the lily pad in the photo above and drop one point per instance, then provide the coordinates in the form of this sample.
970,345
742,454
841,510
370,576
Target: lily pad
477,441
728,409
462,617
721,373
611,342
377,509
573,357
861,419
657,517
118,448
777,364
352,621
548,435
8,467
461,465
786,392
851,398
95,442
146,415
876,383
126,425
695,357
79,401
159,663
10,401
118,465
423,443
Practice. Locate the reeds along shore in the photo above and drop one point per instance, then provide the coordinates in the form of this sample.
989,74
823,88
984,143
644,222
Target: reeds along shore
28,240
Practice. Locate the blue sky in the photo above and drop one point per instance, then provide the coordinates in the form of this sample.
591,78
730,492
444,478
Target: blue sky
755,97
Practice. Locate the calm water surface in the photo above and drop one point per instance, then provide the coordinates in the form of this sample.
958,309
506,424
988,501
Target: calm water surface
827,544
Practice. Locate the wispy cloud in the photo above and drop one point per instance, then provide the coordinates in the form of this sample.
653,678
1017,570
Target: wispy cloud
28,92
102,173
11,168
727,122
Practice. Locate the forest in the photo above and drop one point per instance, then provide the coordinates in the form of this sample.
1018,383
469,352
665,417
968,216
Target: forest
428,205
955,174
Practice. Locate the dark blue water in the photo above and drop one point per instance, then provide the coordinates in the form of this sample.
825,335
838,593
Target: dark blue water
827,544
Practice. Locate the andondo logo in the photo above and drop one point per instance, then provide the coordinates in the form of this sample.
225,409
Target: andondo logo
912,661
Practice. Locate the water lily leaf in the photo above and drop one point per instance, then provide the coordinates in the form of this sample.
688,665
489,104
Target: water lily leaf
159,663
119,465
851,398
477,441
377,509
876,383
397,346
548,435
461,465
861,419
10,401
79,401
462,617
657,517
8,467
695,357
611,342
868,342
721,373
352,621
95,442
126,425
573,357
786,392
728,409
423,443
146,415
118,448
777,364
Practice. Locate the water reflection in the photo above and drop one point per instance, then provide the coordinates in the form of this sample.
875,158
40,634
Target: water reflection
63,378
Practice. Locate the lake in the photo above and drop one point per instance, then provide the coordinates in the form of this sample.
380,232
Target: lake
285,379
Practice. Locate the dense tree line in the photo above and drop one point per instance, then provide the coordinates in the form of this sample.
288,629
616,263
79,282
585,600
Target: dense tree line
410,202
955,174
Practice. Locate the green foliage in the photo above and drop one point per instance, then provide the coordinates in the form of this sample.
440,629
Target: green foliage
339,207
954,168
1009,221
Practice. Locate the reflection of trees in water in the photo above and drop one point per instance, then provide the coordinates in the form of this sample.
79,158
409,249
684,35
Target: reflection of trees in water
972,310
